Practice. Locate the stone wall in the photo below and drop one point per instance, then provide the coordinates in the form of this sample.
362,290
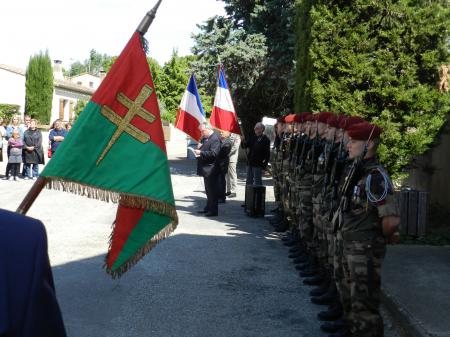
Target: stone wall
432,172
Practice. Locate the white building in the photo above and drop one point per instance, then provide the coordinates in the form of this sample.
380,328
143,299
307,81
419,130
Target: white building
12,86
66,94
87,80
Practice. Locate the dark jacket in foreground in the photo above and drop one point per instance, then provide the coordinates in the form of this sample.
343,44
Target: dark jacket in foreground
207,162
28,305
259,150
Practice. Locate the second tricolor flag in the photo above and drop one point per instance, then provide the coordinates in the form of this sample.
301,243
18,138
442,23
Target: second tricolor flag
223,114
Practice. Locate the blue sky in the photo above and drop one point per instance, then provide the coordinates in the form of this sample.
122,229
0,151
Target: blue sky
70,29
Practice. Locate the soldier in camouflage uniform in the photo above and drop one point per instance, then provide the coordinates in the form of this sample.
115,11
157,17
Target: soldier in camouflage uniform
305,181
317,186
276,155
367,214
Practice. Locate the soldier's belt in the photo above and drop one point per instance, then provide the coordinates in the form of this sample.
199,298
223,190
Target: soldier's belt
361,236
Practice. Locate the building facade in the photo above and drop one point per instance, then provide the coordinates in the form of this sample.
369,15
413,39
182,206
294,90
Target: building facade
67,93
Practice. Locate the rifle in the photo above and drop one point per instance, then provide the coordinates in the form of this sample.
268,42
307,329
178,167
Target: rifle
335,175
348,183
305,149
328,153
314,146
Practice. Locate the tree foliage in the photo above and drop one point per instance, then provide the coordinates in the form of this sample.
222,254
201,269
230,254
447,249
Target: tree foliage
94,64
255,42
242,54
39,87
379,60
7,111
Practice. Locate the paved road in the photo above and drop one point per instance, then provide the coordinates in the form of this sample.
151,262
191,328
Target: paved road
224,276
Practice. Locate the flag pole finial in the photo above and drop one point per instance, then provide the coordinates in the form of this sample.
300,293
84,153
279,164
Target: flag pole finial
148,19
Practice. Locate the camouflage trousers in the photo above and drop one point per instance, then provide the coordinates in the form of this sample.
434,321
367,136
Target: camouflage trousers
358,279
320,235
305,215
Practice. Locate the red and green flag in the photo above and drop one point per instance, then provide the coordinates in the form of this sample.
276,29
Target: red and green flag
116,152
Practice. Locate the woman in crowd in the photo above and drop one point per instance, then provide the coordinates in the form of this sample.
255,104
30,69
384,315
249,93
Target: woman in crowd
15,144
14,126
2,135
33,152
57,135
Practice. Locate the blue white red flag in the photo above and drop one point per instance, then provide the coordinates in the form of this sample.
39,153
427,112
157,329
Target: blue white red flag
223,115
190,113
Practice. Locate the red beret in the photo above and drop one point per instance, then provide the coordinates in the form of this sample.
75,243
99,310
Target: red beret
333,121
289,118
310,118
362,131
301,117
349,121
341,119
322,117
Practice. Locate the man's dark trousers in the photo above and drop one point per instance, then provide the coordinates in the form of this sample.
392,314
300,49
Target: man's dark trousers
212,192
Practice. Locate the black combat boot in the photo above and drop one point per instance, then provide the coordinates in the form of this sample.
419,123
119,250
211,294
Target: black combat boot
334,326
327,298
301,259
333,313
281,227
341,333
276,219
313,281
321,289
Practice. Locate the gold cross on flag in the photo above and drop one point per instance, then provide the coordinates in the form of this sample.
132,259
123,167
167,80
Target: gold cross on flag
124,124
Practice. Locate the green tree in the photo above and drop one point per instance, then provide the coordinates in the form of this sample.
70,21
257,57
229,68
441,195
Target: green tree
171,81
7,111
380,60
94,64
39,87
242,54
255,40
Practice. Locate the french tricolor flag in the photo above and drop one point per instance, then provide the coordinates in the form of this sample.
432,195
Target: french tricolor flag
190,113
223,115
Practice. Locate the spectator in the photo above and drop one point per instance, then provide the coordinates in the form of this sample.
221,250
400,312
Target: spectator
33,152
2,135
25,126
207,167
15,144
56,135
223,161
231,176
68,126
14,125
258,155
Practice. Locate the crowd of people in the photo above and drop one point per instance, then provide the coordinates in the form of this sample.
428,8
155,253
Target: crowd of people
24,145
337,208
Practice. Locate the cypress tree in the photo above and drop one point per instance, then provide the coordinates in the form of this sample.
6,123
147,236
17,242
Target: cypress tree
39,87
379,60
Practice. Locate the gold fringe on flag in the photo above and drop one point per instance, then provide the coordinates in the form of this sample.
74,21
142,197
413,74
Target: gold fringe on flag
163,233
127,200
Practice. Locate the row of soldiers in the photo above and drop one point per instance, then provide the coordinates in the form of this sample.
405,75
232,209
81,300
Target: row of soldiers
336,204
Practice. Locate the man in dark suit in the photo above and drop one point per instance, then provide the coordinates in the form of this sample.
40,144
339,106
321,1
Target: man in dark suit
28,305
223,161
258,155
207,167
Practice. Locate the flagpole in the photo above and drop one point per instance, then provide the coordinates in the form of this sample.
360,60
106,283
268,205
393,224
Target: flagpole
39,184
